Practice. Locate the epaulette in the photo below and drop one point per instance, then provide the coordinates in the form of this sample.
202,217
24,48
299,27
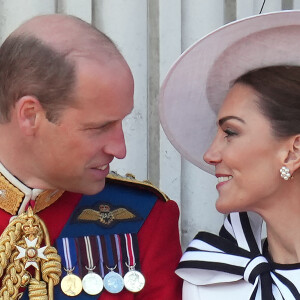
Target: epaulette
130,180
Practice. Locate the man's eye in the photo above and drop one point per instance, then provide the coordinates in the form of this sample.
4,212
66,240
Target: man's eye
102,127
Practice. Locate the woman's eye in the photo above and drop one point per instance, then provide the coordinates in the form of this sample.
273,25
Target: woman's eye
229,132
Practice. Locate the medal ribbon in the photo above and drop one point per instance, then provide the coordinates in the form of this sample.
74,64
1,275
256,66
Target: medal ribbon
119,253
131,250
67,249
102,251
89,252
88,255
133,279
101,265
109,251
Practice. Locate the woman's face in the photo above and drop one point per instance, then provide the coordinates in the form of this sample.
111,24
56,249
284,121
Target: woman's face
246,155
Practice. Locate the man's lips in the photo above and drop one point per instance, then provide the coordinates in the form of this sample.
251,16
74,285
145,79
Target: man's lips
102,168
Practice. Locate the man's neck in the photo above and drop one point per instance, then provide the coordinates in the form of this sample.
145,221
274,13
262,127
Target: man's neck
15,196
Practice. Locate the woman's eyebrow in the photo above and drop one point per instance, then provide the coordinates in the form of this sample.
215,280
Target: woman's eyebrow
223,120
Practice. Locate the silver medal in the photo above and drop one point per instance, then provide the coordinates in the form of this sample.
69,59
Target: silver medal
134,281
113,282
92,283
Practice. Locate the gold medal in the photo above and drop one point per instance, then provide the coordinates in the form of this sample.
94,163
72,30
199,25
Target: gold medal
71,284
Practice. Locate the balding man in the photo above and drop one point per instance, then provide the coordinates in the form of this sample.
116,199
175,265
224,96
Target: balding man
64,91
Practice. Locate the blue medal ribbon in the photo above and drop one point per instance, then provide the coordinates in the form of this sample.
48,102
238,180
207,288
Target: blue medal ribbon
109,251
101,265
67,249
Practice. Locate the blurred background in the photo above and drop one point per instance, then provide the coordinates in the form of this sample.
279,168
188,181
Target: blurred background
151,34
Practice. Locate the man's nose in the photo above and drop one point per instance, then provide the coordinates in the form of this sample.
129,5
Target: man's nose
116,145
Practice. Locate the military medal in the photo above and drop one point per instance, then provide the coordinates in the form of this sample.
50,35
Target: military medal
21,244
92,283
113,282
97,254
71,284
134,280
31,253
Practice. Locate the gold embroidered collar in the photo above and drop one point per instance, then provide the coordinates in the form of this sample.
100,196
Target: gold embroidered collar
15,196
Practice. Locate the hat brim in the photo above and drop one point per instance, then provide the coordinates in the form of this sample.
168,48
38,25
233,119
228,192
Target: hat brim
199,80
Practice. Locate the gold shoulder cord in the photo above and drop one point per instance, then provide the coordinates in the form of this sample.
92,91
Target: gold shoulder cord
130,178
20,248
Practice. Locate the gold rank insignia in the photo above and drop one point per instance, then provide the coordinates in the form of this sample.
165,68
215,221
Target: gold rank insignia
107,215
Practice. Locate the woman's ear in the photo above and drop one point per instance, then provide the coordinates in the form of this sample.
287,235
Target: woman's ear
292,160
28,112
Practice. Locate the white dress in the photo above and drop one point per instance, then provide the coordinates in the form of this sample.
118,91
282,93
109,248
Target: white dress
239,290
233,266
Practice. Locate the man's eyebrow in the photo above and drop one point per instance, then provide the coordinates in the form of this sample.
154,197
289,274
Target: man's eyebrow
98,125
105,123
223,120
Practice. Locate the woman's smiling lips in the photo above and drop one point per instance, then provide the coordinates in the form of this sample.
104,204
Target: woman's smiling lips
222,179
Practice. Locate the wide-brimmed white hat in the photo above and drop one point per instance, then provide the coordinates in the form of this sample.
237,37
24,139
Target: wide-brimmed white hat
198,82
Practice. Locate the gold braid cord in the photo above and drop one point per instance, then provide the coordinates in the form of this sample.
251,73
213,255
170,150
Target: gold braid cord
25,242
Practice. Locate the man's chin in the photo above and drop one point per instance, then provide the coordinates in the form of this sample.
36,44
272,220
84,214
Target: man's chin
91,189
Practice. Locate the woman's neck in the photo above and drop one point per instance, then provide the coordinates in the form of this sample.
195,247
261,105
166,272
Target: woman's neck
283,229
284,248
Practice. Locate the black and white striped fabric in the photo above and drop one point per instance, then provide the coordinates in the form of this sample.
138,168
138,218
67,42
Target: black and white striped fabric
237,254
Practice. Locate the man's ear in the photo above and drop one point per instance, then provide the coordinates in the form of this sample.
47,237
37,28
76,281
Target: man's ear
28,111
292,160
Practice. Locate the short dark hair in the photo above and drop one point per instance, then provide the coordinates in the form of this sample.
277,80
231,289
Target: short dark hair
278,89
29,67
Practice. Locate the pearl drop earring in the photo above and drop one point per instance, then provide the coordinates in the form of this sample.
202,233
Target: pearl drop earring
285,173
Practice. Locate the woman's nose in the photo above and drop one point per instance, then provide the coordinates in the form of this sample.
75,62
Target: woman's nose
212,155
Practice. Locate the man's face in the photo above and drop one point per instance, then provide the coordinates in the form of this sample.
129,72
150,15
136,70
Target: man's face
75,153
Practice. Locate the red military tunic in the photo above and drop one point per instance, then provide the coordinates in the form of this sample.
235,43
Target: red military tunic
158,241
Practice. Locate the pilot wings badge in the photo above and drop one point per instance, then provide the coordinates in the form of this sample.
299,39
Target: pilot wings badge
106,215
